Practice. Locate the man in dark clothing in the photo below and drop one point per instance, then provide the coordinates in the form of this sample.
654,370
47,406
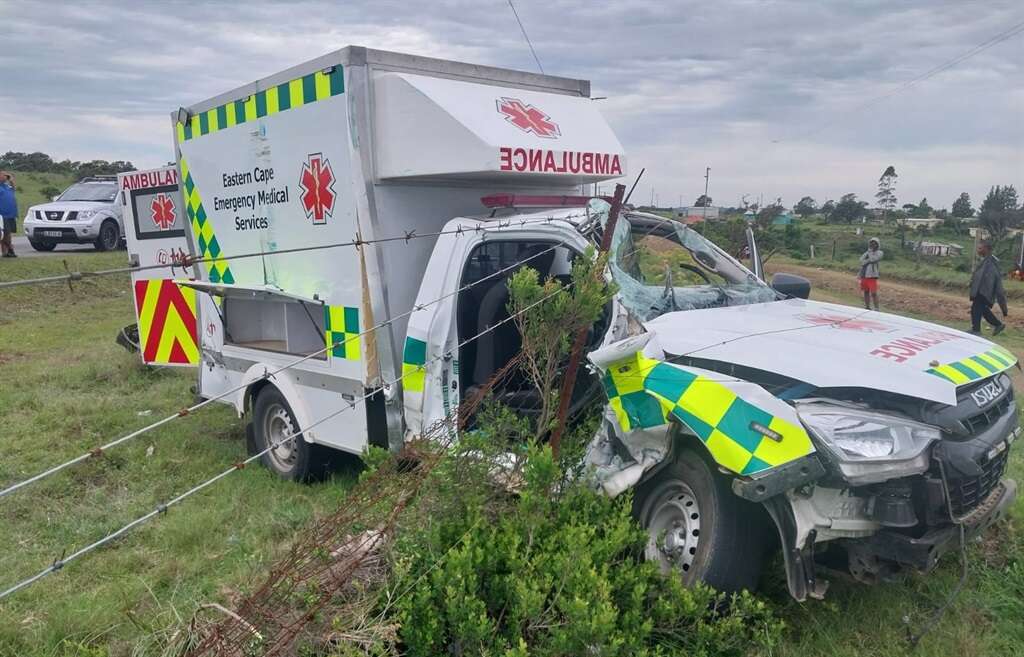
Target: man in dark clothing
986,290
8,214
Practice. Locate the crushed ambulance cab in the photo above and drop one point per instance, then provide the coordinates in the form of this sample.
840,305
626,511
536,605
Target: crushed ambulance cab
736,408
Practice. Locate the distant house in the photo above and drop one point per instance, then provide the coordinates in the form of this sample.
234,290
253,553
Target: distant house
938,249
973,232
784,218
711,212
922,222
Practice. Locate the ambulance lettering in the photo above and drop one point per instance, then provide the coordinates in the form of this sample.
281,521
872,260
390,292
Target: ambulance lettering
903,349
147,179
534,160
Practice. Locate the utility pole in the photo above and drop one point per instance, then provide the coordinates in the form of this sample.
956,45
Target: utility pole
707,176
652,196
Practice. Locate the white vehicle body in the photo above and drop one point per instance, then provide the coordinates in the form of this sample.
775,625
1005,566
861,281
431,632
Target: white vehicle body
396,152
86,213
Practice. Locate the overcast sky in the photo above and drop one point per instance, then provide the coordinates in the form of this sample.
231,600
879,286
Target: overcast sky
770,95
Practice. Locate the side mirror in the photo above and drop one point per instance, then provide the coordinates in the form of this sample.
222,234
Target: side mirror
791,285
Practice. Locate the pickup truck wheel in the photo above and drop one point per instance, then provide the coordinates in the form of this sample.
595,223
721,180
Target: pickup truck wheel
699,528
42,246
293,458
110,236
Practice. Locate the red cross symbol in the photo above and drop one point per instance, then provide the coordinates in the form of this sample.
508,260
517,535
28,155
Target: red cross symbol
317,183
163,211
528,118
850,323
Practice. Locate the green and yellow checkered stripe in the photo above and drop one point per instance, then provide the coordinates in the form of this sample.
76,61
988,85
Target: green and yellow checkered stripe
977,367
341,332
414,360
644,393
288,95
202,231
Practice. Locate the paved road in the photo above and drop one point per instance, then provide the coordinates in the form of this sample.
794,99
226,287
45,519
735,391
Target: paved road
25,250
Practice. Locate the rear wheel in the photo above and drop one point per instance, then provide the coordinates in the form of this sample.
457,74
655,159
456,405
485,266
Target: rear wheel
42,246
698,528
274,424
109,237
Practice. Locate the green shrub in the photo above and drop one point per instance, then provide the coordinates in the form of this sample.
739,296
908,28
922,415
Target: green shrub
559,571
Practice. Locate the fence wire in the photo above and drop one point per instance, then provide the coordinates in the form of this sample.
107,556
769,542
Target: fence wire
331,558
58,564
184,261
267,375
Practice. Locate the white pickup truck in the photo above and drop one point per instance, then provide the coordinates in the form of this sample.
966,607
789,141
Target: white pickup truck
733,404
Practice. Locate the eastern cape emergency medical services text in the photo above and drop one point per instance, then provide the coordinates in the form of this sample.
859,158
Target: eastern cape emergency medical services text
252,201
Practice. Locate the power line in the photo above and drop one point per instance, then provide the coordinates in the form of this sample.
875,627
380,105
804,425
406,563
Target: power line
162,508
526,36
930,73
98,451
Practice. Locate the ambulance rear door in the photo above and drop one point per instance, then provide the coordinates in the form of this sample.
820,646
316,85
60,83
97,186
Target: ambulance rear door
154,226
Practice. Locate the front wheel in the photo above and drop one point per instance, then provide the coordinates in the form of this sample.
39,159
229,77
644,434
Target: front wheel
274,424
109,237
698,528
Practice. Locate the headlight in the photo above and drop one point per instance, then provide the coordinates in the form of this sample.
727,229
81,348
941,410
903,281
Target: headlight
870,447
86,214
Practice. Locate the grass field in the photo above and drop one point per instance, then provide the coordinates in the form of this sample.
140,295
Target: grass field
66,387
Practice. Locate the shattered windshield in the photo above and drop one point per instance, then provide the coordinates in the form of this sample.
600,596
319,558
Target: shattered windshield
663,266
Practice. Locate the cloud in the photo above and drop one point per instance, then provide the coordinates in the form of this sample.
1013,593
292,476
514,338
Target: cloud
773,96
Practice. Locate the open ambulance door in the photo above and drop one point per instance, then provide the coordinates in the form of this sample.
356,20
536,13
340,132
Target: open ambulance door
154,226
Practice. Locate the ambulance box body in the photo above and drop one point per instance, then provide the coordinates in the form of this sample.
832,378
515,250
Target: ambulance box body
355,146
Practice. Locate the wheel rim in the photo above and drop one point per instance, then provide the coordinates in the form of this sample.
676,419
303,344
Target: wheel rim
674,529
278,428
109,236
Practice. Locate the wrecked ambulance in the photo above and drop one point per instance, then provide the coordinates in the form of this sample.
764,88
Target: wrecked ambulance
735,407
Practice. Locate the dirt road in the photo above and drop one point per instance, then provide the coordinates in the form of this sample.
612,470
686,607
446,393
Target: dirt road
897,297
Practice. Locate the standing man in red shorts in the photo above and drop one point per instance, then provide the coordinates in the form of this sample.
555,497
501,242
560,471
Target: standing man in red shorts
869,272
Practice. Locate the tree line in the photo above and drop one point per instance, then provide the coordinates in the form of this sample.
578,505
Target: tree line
43,163
1000,211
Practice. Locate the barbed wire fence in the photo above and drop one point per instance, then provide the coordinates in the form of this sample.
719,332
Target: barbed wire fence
267,375
184,261
270,616
162,508
332,555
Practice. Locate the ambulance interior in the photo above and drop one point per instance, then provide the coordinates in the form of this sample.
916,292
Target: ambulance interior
486,304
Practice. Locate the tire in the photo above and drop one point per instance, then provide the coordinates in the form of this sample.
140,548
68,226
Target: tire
42,246
109,237
295,459
699,528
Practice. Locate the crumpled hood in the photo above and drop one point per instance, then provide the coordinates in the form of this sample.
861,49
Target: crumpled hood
828,345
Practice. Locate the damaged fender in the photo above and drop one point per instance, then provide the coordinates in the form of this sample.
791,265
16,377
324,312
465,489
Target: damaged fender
746,430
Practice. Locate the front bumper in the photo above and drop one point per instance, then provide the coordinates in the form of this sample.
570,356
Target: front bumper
924,552
61,232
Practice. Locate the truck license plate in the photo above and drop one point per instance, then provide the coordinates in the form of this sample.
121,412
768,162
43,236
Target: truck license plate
53,233
987,393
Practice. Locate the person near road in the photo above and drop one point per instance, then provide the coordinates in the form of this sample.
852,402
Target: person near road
869,272
8,214
987,290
